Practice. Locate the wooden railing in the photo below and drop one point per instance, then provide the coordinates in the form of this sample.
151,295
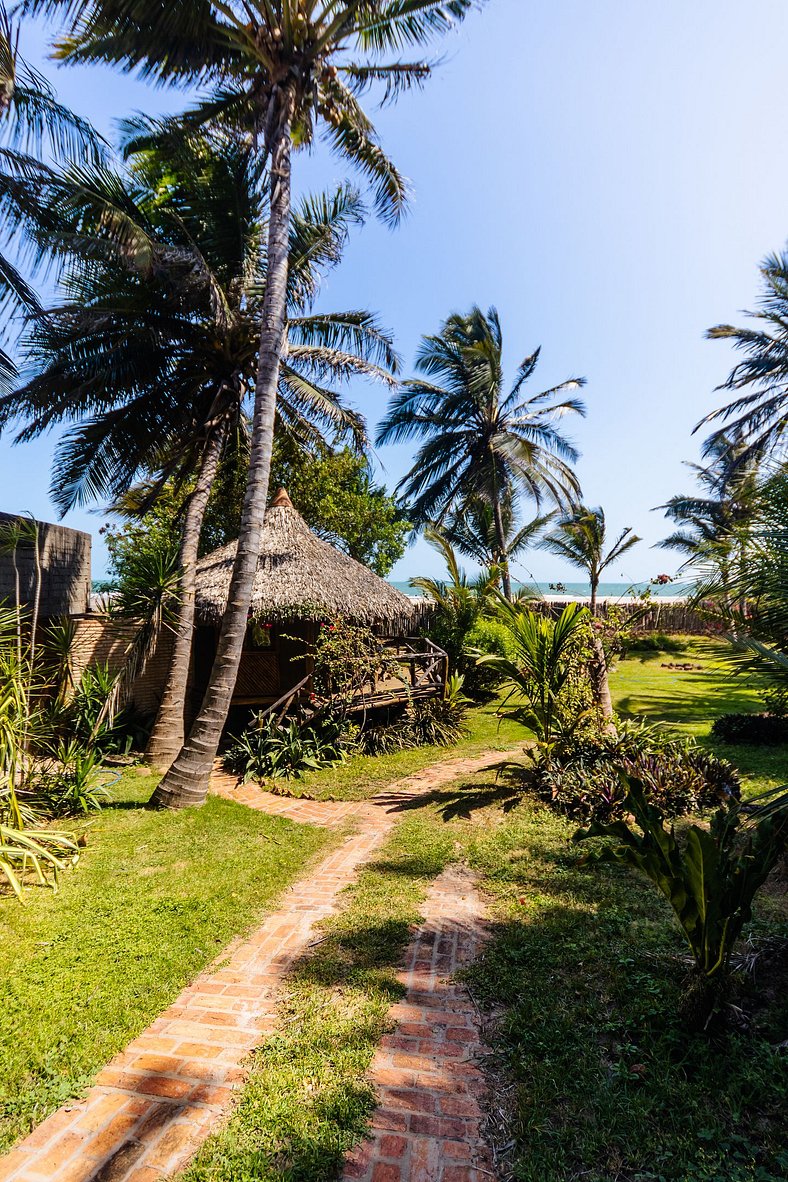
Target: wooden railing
424,666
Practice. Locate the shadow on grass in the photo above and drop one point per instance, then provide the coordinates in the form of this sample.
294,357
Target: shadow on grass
459,802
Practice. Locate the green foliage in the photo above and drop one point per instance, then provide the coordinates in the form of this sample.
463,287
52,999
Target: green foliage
459,604
581,776
431,722
709,880
335,493
479,442
757,729
71,781
273,750
545,681
143,559
347,661
653,642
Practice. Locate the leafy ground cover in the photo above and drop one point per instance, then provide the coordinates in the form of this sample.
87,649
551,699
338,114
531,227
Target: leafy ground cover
690,699
364,775
153,900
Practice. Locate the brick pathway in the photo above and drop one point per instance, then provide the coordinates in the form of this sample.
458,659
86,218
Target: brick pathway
155,1103
427,1127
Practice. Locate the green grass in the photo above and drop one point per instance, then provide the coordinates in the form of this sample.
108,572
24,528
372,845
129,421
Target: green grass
307,1101
364,775
689,701
153,900
587,964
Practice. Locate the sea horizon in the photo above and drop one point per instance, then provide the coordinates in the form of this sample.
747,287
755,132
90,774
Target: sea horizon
679,589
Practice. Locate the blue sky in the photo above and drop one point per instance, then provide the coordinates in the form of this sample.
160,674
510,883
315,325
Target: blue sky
608,175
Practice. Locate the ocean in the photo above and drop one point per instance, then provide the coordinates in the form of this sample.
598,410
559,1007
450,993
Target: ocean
676,590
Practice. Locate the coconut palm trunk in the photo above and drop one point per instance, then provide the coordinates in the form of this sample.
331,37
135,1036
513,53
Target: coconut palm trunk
598,670
168,732
186,782
503,557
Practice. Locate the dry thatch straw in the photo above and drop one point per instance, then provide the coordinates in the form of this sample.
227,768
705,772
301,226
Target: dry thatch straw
300,577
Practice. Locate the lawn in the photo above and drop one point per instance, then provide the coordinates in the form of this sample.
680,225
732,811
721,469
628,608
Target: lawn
689,701
153,900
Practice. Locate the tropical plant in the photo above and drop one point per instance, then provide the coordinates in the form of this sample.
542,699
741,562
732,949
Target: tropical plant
459,605
71,782
472,530
710,879
545,677
153,353
430,722
580,538
581,778
481,445
756,418
32,122
713,527
751,729
276,69
751,595
274,750
347,661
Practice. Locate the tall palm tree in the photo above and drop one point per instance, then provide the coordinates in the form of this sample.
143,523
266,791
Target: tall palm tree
580,537
152,355
277,69
471,529
713,528
32,122
480,444
758,416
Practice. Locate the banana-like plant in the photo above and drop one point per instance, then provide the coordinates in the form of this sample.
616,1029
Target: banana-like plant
709,879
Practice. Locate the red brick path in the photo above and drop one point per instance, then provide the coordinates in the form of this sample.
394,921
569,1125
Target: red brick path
427,1127
157,1101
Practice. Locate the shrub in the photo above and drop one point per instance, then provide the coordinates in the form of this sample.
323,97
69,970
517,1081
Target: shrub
270,750
710,879
71,782
431,722
582,777
546,669
653,642
758,729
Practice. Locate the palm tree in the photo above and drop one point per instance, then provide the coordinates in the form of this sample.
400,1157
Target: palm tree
471,529
480,445
277,69
459,602
32,121
758,417
154,361
580,537
713,528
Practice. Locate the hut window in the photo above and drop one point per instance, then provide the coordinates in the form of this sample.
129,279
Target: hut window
259,635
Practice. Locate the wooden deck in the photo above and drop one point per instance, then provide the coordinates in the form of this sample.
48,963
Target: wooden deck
411,668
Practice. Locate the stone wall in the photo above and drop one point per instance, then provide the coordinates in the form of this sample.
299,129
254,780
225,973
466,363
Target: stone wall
65,570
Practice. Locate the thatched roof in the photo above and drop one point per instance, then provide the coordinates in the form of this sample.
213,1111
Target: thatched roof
300,577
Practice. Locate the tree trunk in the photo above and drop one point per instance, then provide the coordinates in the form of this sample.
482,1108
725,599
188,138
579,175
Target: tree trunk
503,557
186,782
167,735
600,682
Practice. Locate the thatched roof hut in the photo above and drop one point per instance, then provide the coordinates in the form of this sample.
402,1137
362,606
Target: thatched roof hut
300,577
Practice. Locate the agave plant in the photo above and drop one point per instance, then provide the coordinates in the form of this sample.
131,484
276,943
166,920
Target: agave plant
710,879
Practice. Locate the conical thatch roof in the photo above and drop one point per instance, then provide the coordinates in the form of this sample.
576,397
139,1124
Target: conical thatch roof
300,577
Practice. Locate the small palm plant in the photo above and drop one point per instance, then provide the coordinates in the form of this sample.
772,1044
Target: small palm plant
541,676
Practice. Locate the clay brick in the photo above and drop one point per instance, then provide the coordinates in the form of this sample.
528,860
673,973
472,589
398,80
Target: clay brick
459,1151
459,1106
411,1099
385,1172
393,1146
